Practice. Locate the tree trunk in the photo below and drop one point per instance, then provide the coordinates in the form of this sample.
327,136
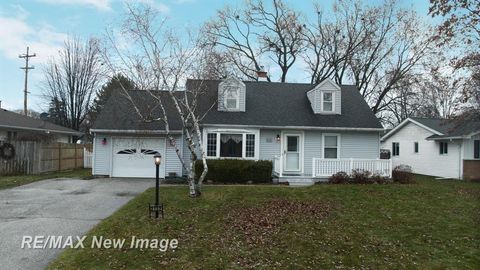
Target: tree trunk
193,187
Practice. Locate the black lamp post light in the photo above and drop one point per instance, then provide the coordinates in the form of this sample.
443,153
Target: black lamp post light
156,208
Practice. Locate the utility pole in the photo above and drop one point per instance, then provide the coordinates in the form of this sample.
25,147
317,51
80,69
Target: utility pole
26,68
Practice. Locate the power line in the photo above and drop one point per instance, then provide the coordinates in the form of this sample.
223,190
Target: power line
26,68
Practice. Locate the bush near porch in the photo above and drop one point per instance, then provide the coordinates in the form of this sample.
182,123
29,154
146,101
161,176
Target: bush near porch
236,170
430,225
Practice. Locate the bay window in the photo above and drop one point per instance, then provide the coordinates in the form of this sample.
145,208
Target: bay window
231,144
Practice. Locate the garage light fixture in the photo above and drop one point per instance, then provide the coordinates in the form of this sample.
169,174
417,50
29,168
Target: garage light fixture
104,141
278,137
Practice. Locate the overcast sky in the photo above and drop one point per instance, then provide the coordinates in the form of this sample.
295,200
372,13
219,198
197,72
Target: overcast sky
44,24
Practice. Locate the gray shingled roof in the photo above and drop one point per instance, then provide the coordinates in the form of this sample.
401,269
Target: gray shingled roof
13,120
448,127
119,113
267,104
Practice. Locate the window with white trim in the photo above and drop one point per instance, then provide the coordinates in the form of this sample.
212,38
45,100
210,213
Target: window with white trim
395,149
212,144
330,150
327,101
232,98
231,145
443,148
415,147
250,146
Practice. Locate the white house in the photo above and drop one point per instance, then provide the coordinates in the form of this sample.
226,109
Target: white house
437,147
307,131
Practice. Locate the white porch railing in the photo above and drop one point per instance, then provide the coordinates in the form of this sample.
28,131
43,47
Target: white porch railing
327,167
87,158
277,166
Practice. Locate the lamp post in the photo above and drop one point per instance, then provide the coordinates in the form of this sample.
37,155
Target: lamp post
157,207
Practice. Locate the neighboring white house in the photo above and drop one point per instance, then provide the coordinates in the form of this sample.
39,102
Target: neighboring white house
15,126
307,131
436,147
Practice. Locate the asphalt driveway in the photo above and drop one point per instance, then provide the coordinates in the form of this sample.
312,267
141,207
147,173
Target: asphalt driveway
66,207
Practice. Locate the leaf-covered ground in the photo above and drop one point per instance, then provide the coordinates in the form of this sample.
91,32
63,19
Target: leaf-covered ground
429,225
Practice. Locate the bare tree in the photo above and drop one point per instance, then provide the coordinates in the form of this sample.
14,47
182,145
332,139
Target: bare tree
331,44
396,44
72,78
159,62
459,31
257,35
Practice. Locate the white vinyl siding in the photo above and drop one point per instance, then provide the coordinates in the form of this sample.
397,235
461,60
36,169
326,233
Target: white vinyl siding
172,162
102,155
428,160
269,146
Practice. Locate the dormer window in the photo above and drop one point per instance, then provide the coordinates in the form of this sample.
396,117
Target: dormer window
231,95
327,102
232,99
326,98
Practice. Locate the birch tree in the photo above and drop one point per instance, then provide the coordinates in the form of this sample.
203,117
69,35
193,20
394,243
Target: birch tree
158,61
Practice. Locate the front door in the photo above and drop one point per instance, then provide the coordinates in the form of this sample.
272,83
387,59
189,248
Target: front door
292,152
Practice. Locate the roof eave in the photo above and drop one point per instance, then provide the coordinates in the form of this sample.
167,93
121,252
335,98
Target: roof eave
133,131
46,130
294,127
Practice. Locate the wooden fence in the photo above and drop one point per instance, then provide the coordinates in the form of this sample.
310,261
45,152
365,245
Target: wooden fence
36,157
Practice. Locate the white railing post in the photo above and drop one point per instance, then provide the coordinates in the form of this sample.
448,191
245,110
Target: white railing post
280,160
313,167
390,168
351,166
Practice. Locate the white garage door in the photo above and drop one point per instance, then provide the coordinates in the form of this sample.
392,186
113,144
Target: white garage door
133,157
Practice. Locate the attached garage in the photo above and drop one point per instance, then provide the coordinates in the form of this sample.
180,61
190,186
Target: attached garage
133,157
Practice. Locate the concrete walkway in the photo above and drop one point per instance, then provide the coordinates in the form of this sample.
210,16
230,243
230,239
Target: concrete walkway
67,207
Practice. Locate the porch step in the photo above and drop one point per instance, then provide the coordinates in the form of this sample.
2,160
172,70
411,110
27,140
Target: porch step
300,182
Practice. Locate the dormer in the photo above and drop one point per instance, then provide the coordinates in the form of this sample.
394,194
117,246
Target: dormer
326,98
231,95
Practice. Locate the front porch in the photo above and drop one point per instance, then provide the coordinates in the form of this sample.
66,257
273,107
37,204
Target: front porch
323,168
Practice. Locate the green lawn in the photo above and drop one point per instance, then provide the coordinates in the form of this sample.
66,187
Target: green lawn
18,180
428,225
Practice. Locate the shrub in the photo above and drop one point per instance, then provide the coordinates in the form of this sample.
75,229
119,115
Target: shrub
339,178
360,176
236,170
377,178
403,174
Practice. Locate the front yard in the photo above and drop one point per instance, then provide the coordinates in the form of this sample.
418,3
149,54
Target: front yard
431,224
18,180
